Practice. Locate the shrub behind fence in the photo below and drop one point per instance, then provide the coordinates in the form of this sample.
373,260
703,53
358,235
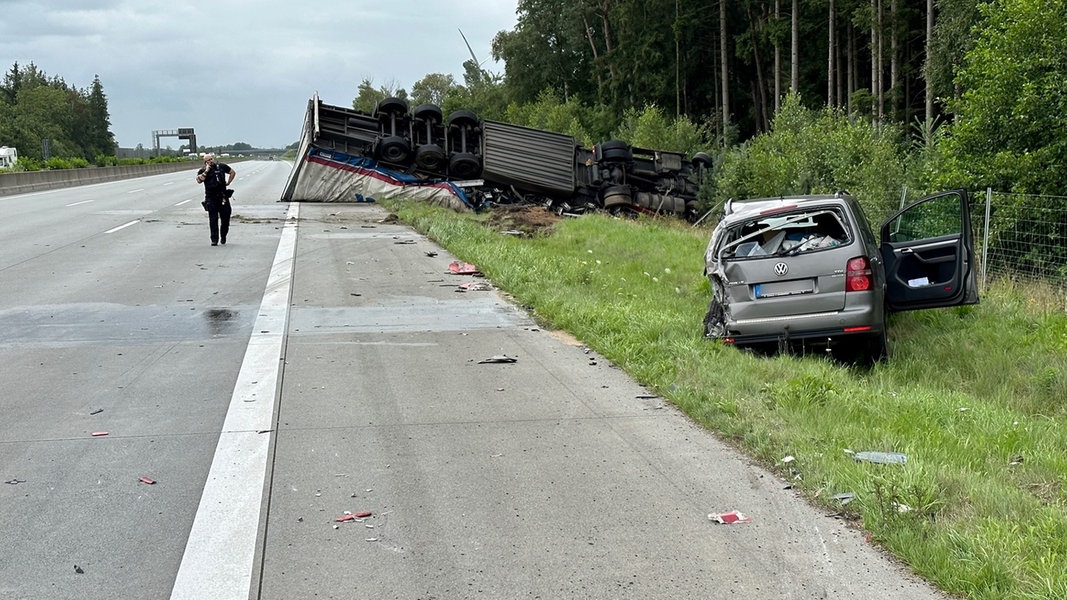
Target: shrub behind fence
1022,237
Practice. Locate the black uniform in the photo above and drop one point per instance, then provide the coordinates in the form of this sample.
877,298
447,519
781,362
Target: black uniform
216,201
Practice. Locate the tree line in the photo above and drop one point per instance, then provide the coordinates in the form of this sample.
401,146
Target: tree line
42,114
966,92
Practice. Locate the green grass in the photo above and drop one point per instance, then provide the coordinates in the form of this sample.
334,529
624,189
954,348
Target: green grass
975,396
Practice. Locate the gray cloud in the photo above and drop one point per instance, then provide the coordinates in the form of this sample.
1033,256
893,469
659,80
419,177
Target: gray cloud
242,70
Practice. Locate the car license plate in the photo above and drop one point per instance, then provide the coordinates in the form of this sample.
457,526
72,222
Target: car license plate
783,288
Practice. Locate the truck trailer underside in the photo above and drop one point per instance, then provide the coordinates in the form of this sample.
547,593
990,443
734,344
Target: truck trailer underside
469,163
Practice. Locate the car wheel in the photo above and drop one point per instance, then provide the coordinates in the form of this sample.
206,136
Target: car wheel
877,349
715,319
861,351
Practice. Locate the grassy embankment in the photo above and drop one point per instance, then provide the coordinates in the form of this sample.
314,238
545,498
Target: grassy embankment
976,397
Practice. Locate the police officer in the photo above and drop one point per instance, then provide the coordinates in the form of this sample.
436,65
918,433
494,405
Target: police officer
216,177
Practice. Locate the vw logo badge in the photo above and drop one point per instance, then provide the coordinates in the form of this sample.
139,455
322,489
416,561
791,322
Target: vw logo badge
781,269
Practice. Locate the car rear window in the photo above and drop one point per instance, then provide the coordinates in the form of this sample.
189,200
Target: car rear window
786,234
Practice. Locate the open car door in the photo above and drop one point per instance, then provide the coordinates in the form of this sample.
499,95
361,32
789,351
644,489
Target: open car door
929,254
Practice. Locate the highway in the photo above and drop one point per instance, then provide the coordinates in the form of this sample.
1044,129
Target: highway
314,410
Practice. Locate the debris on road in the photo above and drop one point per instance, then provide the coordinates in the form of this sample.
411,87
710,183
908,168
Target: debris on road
14,481
348,516
499,358
147,480
844,497
431,254
732,516
463,268
886,458
99,433
97,411
474,286
79,570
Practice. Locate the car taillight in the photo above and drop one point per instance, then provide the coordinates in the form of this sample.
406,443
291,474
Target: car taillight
858,275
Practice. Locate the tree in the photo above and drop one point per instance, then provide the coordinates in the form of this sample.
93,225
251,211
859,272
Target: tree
368,96
38,107
98,139
948,45
723,55
1011,117
552,47
432,89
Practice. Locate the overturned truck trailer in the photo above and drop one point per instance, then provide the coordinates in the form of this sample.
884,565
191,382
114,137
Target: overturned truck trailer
469,163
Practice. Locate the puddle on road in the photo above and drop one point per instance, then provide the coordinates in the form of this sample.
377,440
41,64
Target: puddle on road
102,323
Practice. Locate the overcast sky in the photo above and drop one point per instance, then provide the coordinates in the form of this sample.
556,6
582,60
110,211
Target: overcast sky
242,70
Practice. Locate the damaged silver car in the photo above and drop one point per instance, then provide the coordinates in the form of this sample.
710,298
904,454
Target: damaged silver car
806,272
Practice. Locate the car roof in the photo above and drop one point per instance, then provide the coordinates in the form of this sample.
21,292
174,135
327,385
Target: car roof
739,209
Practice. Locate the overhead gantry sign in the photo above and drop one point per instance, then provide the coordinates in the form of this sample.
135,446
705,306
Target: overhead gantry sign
182,133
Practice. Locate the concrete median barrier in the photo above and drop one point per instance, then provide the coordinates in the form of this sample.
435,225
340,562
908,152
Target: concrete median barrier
36,181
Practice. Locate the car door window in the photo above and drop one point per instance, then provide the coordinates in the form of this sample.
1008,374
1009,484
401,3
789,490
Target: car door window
938,217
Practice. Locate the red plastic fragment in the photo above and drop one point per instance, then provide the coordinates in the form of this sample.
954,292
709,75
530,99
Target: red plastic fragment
463,268
351,516
730,517
147,480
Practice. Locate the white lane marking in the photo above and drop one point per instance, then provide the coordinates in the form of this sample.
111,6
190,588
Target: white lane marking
184,202
124,226
222,544
77,203
168,183
135,191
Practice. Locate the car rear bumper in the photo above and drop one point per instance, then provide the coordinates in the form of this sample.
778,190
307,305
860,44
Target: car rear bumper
862,319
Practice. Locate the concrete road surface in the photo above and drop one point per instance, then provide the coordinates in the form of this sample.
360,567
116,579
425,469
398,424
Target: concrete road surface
322,366
555,476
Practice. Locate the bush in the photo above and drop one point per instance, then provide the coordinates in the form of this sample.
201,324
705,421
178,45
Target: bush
550,114
818,151
650,128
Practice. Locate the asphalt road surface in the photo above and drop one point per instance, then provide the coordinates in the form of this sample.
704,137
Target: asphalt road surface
315,410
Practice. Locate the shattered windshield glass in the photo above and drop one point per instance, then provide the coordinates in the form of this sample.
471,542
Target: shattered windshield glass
785,234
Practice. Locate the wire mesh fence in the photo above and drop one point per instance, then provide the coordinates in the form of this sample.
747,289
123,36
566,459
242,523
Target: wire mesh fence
1023,237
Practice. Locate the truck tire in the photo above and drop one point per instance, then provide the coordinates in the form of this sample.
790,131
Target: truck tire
463,118
614,151
617,196
394,149
464,165
702,160
427,112
430,157
391,106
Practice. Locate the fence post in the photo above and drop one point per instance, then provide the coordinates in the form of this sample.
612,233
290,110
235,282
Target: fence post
985,240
